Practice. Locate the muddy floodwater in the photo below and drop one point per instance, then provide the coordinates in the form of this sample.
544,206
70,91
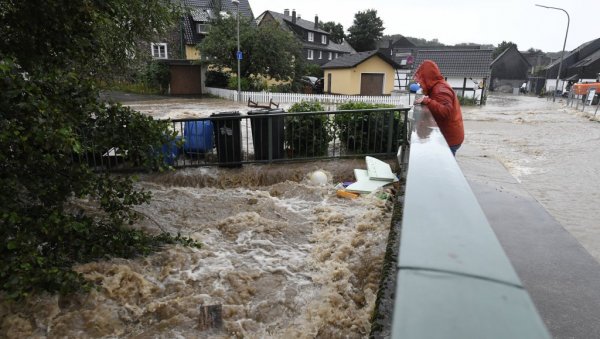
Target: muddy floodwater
282,257
552,149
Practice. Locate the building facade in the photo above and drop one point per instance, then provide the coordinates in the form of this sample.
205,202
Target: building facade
363,73
317,47
178,49
509,70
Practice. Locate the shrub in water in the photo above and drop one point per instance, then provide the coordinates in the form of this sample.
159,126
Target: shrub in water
367,132
307,135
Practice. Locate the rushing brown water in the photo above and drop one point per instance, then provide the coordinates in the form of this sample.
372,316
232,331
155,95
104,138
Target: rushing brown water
551,149
282,256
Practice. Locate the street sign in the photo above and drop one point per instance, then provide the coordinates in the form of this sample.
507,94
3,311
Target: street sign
239,55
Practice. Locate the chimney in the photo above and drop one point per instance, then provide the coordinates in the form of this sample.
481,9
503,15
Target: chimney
298,18
316,22
293,16
286,12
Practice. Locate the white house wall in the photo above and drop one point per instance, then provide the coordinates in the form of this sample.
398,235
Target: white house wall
551,84
405,79
457,85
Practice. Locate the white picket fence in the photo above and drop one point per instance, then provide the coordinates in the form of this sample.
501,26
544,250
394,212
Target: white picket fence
286,98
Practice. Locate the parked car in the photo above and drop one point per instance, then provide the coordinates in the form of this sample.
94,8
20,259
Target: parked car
318,86
308,80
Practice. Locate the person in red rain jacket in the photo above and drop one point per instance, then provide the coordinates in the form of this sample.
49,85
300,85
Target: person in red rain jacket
442,102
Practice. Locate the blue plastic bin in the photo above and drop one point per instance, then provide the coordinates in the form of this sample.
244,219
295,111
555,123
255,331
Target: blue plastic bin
198,136
170,151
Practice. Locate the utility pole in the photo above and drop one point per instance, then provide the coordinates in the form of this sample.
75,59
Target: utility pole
562,56
238,54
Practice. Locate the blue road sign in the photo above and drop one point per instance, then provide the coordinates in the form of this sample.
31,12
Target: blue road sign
239,55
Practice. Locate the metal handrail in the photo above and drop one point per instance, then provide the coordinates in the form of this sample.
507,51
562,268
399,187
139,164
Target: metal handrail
378,126
267,136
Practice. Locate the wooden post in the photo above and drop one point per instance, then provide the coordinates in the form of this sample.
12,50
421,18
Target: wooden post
483,91
464,86
210,317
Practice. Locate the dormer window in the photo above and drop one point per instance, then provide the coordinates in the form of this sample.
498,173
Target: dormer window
311,36
159,50
324,39
202,28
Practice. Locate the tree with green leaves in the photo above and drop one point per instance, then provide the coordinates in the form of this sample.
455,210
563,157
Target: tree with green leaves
502,47
53,126
267,50
336,31
534,50
424,42
366,30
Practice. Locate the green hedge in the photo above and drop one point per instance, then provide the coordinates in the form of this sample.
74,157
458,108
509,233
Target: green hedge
365,132
307,135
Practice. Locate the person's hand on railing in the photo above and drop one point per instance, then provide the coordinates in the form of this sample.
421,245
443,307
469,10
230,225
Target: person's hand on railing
422,100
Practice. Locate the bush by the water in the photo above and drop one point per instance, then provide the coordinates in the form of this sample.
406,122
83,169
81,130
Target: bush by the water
367,132
217,79
55,210
50,124
307,135
468,101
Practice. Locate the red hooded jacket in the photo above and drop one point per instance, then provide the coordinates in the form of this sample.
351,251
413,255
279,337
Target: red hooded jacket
442,102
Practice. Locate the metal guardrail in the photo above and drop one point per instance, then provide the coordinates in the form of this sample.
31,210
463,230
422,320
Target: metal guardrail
231,139
454,279
589,99
268,136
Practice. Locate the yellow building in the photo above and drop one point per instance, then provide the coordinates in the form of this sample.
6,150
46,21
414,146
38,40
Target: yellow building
363,73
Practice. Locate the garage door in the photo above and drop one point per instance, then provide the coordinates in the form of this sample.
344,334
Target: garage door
371,84
186,79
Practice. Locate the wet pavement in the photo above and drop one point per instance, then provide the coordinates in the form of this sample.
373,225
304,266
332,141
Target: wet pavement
561,277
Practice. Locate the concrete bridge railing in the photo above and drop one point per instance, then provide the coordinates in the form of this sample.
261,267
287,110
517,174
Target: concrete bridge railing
454,279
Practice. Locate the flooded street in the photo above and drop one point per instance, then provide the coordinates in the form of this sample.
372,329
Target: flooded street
551,149
163,107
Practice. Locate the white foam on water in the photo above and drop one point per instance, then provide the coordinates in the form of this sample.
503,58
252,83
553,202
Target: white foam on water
287,260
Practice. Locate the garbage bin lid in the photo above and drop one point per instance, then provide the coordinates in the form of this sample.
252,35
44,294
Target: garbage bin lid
266,111
258,111
226,114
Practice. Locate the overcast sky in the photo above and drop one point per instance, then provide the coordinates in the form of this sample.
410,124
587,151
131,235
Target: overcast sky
456,21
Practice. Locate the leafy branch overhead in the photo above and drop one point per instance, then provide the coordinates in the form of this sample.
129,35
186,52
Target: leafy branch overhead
53,126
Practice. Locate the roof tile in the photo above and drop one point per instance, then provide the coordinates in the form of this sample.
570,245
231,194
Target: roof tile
351,60
459,63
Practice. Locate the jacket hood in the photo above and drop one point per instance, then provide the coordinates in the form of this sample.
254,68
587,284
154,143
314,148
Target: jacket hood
428,75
